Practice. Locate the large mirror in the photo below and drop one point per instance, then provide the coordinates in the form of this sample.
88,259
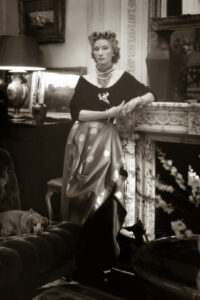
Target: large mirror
179,7
174,59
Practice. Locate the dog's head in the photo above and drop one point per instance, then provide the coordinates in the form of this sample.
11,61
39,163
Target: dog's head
138,231
34,222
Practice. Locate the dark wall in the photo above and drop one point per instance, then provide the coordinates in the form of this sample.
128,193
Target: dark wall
37,153
174,7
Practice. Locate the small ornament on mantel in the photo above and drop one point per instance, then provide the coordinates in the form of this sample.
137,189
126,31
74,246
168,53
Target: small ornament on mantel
39,111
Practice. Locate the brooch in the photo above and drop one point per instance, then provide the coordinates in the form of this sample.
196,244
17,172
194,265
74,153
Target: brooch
104,97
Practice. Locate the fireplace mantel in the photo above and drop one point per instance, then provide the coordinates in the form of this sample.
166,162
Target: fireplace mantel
169,121
158,121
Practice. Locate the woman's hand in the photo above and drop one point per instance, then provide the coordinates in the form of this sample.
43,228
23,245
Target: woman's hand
115,110
137,102
140,102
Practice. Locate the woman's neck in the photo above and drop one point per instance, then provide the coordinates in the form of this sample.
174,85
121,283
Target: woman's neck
104,68
103,77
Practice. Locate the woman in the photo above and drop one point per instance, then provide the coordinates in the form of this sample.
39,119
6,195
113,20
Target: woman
93,167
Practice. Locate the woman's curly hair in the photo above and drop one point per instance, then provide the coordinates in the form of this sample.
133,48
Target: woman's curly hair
106,35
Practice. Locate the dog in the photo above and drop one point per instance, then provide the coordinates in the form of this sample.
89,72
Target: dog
14,222
130,243
139,232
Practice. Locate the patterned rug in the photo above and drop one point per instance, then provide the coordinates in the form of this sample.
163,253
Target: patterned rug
74,291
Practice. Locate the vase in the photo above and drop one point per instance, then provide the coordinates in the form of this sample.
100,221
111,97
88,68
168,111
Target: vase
39,111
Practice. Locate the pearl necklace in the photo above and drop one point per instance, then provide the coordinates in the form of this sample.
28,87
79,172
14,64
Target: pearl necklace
103,77
106,74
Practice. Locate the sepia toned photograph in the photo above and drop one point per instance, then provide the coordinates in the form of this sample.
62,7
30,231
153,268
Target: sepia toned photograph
100,150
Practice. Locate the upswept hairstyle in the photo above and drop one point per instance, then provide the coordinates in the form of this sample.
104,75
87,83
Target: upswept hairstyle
106,35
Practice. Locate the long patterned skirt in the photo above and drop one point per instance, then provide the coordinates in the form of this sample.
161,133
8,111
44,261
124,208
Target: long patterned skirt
92,190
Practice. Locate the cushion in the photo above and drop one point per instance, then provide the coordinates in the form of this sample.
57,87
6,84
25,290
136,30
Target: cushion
28,256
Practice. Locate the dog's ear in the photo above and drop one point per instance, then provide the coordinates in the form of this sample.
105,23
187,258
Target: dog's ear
29,225
46,222
26,222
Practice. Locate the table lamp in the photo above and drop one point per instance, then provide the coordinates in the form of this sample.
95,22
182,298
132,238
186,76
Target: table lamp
19,54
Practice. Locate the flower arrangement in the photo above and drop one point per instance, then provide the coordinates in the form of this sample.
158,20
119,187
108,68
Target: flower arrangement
185,204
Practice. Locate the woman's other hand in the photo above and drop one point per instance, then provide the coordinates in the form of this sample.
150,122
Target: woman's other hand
116,110
137,102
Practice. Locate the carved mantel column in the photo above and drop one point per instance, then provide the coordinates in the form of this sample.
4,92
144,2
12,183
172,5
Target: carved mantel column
128,139
145,183
140,164
129,145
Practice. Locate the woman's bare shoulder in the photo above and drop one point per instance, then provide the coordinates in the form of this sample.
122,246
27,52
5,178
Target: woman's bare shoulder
92,78
89,77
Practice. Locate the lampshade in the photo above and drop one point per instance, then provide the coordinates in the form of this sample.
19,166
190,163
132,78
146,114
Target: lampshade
19,52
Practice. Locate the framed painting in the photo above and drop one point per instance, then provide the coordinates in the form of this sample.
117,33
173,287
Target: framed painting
55,88
42,19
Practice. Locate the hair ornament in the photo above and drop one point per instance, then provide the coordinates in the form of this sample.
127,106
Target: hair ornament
108,35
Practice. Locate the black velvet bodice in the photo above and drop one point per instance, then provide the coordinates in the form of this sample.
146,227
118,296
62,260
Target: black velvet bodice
87,95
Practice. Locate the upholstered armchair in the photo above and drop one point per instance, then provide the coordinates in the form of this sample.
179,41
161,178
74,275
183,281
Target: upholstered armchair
27,260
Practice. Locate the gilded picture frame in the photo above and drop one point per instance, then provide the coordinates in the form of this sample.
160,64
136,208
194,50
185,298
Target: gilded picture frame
55,87
42,19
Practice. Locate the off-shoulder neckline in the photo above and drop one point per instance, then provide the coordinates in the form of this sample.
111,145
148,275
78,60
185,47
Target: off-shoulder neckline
90,79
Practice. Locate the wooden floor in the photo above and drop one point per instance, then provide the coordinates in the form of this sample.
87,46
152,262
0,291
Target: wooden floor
118,282
126,285
114,284
123,283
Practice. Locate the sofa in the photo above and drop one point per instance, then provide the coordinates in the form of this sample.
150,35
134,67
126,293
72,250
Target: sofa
28,261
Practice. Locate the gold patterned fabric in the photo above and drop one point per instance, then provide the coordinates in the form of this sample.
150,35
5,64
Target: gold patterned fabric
93,167
92,190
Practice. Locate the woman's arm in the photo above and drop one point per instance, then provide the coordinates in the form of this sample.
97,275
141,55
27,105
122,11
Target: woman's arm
137,102
89,115
115,111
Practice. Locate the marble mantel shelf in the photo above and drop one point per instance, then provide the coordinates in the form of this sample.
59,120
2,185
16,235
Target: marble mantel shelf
169,119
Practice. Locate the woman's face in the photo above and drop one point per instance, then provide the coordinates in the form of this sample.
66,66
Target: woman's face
103,52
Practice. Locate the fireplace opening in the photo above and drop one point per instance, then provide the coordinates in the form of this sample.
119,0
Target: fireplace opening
177,187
